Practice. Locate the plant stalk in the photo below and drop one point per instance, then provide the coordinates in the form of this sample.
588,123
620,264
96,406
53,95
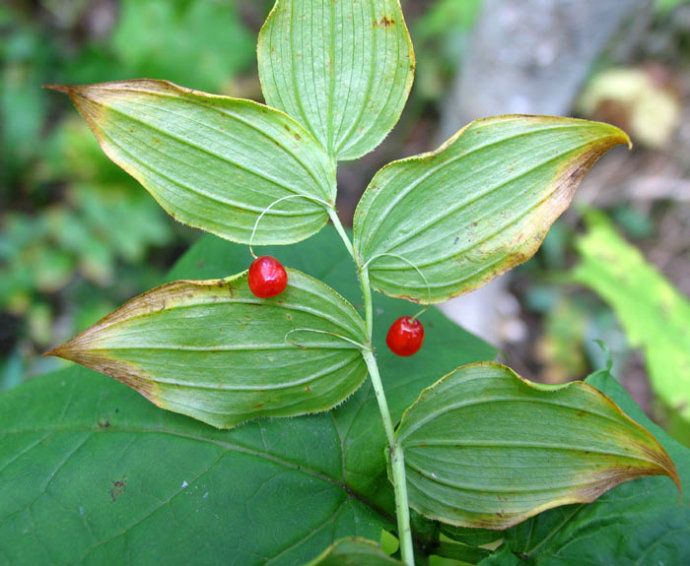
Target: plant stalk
341,232
397,460
363,274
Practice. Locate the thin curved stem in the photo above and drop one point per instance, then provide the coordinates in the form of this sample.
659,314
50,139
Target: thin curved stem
341,232
395,451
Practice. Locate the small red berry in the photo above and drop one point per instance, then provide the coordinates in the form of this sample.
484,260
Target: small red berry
267,277
405,336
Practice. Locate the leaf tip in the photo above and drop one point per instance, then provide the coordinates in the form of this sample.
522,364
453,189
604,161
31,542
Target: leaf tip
60,351
667,467
59,88
623,138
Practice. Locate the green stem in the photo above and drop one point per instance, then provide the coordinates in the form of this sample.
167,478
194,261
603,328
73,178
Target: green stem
341,232
363,274
397,458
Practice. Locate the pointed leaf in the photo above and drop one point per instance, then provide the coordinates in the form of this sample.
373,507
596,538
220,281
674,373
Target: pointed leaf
214,162
656,317
485,448
641,522
343,69
444,223
354,551
213,351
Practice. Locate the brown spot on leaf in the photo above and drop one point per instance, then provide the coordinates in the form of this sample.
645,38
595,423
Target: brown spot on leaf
385,22
118,489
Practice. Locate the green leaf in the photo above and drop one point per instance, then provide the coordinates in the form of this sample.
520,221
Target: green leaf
461,552
209,42
213,162
279,490
656,317
213,351
437,225
485,448
354,552
642,522
343,69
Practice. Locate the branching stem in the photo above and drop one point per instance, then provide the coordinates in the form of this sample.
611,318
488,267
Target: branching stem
395,452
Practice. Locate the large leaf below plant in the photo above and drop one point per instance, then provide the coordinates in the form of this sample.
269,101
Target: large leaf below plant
656,317
91,471
213,351
214,162
343,69
434,226
485,448
640,522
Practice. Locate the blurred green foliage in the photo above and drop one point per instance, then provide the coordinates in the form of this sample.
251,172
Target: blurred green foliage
441,36
201,44
655,316
78,235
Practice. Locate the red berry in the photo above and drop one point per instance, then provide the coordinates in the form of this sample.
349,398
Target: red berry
405,336
267,277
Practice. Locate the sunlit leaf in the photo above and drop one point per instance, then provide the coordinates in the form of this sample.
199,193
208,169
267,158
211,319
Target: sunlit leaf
343,69
437,225
213,162
354,552
656,317
213,351
485,448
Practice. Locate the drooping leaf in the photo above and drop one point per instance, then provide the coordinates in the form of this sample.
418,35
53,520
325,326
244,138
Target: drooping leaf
437,225
354,552
343,69
656,317
213,351
214,162
274,491
640,522
485,448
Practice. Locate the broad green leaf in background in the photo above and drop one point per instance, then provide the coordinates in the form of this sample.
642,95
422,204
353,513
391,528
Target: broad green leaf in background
640,522
209,42
213,351
343,69
485,448
437,225
354,552
90,470
214,162
655,316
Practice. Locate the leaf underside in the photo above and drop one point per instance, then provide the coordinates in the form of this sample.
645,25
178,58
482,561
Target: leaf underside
343,69
213,162
441,224
213,351
485,448
640,522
